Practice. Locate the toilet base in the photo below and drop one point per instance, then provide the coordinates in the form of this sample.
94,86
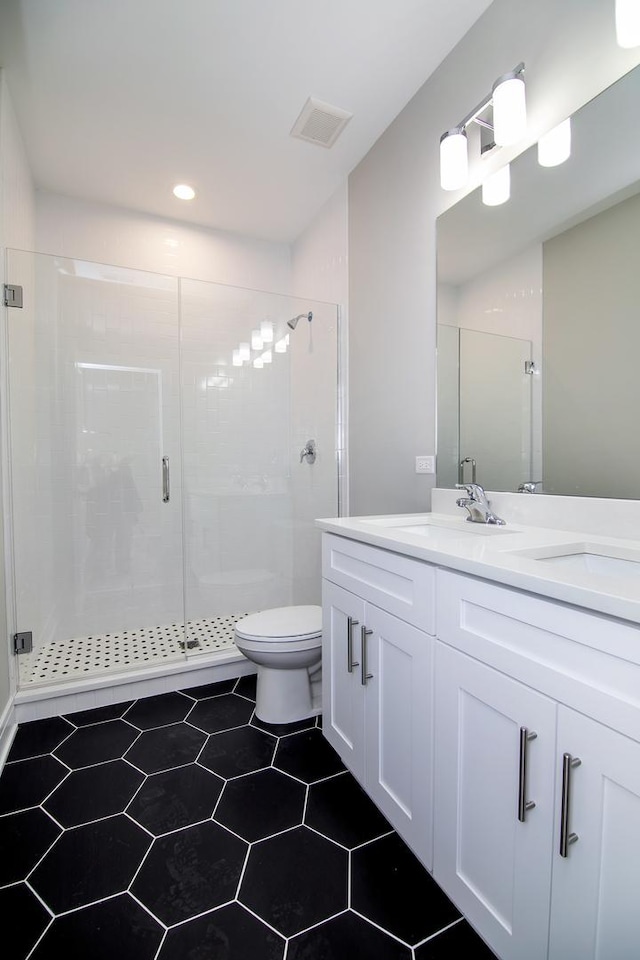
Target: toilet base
284,696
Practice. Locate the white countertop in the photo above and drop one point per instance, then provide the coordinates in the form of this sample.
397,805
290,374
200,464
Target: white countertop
494,554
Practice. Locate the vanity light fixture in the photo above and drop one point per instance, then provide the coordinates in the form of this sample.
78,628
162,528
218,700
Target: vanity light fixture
236,359
280,346
258,363
496,189
507,124
267,356
244,351
183,191
256,340
628,23
555,146
266,331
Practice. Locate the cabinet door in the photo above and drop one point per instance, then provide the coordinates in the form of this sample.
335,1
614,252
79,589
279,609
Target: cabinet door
399,664
496,868
596,888
342,692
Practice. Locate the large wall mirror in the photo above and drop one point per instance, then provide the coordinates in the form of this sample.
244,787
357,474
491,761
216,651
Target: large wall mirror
539,318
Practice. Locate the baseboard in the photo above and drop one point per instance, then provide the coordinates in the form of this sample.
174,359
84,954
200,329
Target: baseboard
8,730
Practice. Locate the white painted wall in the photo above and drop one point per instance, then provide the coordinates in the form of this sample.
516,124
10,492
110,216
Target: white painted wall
16,229
95,231
570,55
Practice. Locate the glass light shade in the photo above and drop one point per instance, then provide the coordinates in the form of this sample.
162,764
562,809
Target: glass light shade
236,359
267,356
497,188
258,364
266,331
244,351
555,146
509,110
454,160
256,340
183,191
628,23
281,345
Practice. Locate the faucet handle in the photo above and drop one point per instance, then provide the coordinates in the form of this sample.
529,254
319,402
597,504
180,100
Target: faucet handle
475,490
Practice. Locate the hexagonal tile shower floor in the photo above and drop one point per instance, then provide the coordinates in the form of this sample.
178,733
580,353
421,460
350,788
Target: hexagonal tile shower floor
180,827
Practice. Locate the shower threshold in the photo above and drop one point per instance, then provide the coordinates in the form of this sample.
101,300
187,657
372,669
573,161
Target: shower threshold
103,654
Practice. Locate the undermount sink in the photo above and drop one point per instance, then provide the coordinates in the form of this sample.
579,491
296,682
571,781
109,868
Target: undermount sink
440,528
594,559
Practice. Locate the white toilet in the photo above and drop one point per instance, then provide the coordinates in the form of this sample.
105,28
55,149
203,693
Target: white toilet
286,644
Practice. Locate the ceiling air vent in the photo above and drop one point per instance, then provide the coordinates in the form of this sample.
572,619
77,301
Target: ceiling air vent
320,123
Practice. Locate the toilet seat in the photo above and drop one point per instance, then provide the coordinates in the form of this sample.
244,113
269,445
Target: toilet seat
282,625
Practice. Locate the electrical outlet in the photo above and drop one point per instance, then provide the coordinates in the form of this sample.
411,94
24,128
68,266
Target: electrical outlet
425,464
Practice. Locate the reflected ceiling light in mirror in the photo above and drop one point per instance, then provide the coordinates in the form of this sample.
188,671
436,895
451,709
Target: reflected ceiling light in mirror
555,146
266,331
502,117
244,351
454,160
509,109
628,23
256,340
497,188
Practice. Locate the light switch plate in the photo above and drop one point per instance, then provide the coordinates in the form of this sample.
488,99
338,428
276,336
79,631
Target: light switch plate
425,464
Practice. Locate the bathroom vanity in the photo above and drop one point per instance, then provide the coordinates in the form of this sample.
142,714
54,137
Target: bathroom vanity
483,685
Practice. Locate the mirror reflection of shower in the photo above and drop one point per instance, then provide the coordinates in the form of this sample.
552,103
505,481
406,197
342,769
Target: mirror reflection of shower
301,316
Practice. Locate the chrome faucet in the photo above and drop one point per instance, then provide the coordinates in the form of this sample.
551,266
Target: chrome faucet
529,486
477,504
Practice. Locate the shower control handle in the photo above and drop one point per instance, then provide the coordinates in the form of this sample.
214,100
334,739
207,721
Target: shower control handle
165,480
308,452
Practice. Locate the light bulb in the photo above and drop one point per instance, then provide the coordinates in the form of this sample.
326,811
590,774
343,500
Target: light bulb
454,161
236,359
267,356
555,146
244,351
256,340
266,331
183,191
281,345
628,23
509,109
258,363
497,188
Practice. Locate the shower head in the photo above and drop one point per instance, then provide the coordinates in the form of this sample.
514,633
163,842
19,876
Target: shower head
301,316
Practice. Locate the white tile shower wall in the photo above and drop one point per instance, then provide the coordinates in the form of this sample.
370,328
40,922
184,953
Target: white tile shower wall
17,228
106,234
507,301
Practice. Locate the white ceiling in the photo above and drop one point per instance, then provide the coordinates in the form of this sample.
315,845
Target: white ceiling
118,100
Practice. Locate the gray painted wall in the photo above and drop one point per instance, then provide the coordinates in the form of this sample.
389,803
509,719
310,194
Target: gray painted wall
570,55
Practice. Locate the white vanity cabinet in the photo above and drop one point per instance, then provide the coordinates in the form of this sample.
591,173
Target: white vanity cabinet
377,679
507,665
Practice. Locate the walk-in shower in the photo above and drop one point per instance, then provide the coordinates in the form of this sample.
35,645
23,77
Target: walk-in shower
154,481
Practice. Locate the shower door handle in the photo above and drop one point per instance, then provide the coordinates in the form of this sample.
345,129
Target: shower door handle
165,480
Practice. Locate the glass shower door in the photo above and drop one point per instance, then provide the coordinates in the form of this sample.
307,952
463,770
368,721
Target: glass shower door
94,454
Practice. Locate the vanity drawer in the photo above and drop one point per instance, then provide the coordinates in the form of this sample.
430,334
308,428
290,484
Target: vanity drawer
402,586
586,660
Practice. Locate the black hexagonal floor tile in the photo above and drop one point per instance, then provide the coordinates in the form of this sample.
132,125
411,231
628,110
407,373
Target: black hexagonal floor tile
307,756
261,804
90,862
235,752
26,783
295,880
176,798
246,686
96,744
166,747
38,737
158,711
190,871
29,918
24,839
341,810
344,938
230,932
460,940
113,711
283,729
207,690
221,713
118,927
387,881
93,793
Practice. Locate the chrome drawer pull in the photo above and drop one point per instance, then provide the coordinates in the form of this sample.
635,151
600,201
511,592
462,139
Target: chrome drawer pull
351,663
364,676
566,838
523,803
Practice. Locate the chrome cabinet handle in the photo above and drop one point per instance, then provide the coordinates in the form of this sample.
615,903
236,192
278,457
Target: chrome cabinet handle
351,663
523,803
364,676
566,838
165,480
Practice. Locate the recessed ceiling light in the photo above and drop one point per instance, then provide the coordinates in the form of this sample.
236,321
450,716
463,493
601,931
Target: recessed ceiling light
184,192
